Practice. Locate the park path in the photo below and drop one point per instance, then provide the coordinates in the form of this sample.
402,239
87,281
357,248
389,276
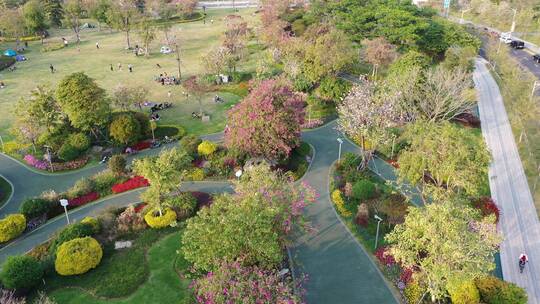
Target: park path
338,267
519,220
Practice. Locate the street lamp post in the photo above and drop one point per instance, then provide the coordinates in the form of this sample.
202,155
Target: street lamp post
462,13
340,141
379,219
64,203
535,84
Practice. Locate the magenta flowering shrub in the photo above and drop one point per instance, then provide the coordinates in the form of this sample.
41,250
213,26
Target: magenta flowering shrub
36,163
234,283
267,122
313,123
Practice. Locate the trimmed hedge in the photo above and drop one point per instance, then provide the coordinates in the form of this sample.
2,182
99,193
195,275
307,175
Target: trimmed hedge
21,272
153,219
11,227
71,232
363,190
78,256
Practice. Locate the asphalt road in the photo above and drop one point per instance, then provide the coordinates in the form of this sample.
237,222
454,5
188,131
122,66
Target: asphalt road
338,268
518,221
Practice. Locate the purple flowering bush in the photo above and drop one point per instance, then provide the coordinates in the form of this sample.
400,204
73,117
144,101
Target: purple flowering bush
234,283
36,163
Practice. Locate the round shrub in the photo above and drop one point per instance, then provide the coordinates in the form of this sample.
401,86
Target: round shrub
493,290
183,204
125,129
332,88
463,292
78,256
79,141
93,223
67,152
196,174
34,207
363,190
103,181
117,164
190,143
11,227
153,219
71,232
206,148
21,272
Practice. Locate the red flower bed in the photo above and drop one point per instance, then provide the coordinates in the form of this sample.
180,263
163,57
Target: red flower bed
384,256
81,200
142,145
406,275
139,207
132,183
487,206
393,163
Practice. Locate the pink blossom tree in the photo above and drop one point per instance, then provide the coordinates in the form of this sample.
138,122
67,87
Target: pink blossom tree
267,122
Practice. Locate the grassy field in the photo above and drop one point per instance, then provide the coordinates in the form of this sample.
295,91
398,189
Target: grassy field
5,190
153,276
196,39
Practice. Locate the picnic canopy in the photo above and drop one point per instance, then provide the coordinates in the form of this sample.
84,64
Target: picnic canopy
10,53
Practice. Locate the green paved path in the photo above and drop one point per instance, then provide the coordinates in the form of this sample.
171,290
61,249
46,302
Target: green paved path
338,268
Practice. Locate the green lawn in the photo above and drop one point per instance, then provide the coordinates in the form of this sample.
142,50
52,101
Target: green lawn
196,40
5,191
138,275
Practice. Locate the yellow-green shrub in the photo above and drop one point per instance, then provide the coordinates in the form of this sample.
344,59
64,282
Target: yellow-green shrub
11,227
206,148
196,175
413,292
92,222
13,147
463,292
340,203
78,256
153,219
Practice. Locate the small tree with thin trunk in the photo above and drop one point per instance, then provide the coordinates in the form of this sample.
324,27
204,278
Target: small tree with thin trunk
197,88
147,33
73,12
378,52
124,15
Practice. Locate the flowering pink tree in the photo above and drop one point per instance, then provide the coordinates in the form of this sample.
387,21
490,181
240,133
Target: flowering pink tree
267,122
234,283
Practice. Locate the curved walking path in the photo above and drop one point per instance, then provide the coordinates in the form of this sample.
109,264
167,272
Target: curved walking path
509,188
339,270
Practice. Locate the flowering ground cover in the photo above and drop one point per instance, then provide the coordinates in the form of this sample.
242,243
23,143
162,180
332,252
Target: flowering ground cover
130,184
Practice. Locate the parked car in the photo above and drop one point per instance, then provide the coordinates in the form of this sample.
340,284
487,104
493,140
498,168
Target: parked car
536,58
516,44
505,39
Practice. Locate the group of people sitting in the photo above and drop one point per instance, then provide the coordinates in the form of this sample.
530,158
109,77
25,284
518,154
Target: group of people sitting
218,99
154,116
164,79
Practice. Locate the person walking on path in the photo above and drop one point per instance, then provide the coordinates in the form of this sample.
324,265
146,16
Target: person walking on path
112,69
119,66
51,67
97,45
130,68
523,259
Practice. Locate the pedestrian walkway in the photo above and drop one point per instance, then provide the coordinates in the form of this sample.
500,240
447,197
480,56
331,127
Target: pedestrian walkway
509,189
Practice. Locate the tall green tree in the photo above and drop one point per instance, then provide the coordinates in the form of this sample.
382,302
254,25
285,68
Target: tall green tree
452,158
73,13
12,23
124,16
84,102
164,172
445,242
54,11
147,33
35,19
99,10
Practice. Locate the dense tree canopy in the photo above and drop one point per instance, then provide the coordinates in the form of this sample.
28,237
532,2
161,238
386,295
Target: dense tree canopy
34,17
267,122
454,158
83,101
443,242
